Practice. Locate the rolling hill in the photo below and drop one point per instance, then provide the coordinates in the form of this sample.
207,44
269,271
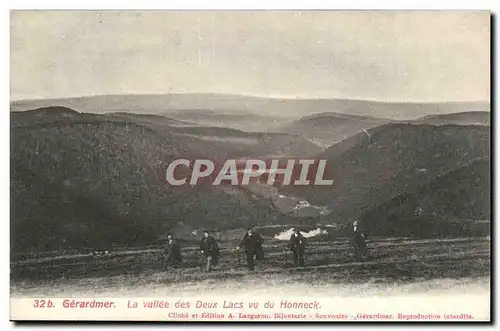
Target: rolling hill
462,118
216,141
324,121
150,119
391,160
89,181
329,128
250,122
253,144
95,180
460,198
239,104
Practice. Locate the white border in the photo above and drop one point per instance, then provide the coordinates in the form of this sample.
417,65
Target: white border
258,4
7,5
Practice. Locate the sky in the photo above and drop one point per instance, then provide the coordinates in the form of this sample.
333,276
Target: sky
387,56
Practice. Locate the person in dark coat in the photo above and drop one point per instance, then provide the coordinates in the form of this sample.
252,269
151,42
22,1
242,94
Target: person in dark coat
358,242
297,245
209,250
171,253
252,243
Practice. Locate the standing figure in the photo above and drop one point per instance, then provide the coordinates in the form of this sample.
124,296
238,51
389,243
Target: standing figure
297,245
358,242
209,250
171,253
252,242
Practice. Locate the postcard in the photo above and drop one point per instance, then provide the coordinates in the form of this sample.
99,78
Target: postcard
250,166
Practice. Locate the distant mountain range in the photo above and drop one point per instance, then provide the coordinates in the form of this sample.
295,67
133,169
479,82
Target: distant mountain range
221,103
464,118
329,128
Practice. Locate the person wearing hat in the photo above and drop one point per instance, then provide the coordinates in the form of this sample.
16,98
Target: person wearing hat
171,253
209,250
297,245
358,241
252,242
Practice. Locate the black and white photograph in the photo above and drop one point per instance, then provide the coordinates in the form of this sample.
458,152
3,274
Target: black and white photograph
250,166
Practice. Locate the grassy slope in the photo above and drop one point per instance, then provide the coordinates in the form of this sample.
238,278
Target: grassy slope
461,196
328,262
395,159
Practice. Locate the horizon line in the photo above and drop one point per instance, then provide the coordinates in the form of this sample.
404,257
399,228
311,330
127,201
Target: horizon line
252,96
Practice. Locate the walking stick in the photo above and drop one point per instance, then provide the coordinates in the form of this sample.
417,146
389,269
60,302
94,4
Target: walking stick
202,262
286,256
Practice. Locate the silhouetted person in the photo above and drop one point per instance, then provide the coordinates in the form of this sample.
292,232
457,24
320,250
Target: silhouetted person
358,242
297,245
252,242
171,253
209,250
